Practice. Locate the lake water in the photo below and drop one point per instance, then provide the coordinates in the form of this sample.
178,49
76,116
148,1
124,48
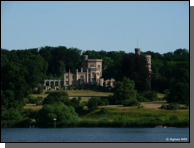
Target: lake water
94,134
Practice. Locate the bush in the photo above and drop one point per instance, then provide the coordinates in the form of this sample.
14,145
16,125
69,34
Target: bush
84,103
40,90
38,103
57,110
171,106
79,109
75,102
140,106
92,103
141,98
131,102
173,117
102,101
60,96
151,96
111,99
104,122
104,110
88,123
179,92
11,114
34,100
163,106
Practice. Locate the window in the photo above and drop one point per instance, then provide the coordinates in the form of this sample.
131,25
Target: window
93,73
73,82
73,77
67,77
91,65
98,66
67,82
82,77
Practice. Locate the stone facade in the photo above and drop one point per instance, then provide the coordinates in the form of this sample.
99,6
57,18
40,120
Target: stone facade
90,73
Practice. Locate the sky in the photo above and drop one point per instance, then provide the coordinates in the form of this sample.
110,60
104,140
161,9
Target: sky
157,26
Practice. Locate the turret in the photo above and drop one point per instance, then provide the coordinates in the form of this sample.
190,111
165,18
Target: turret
137,51
85,57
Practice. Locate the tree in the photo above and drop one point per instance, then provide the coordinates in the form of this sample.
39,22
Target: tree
179,93
75,102
181,52
106,62
40,89
11,114
13,80
124,90
60,96
60,69
8,100
37,68
131,102
92,104
57,110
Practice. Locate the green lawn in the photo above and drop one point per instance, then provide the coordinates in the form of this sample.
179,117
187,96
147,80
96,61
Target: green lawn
150,110
133,113
76,93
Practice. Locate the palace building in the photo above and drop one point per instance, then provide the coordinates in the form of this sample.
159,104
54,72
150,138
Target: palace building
90,73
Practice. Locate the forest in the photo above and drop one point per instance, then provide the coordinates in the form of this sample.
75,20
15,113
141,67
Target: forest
23,70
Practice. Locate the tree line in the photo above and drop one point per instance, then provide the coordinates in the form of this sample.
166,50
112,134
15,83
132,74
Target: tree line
24,70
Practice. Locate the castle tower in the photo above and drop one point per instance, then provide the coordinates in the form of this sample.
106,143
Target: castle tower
148,57
85,57
137,51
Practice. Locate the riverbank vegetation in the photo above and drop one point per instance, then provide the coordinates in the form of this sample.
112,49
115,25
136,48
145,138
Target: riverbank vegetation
131,103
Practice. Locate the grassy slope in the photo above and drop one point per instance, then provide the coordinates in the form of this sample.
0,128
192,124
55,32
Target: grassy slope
133,113
150,110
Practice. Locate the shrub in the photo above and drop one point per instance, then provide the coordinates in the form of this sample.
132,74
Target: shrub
111,99
88,123
38,103
57,110
141,98
74,102
102,101
140,106
104,122
179,92
79,109
131,102
60,96
163,106
104,110
151,96
171,106
92,103
173,117
40,90
11,114
84,103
